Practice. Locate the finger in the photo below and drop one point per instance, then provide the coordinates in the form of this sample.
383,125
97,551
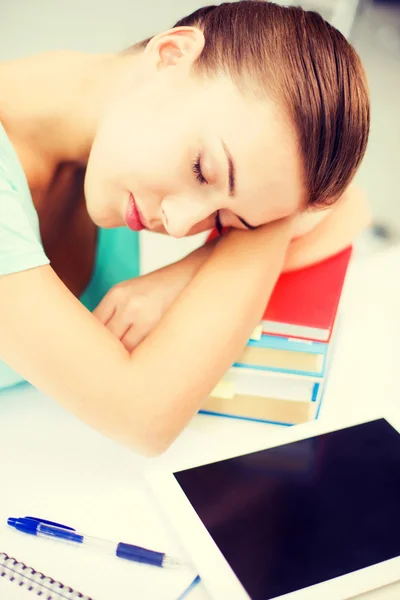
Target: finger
104,310
118,325
132,337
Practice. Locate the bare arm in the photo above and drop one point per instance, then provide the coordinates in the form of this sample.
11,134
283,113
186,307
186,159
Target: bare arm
321,234
144,399
180,273
133,308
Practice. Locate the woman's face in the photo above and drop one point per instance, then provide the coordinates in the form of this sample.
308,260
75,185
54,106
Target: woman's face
174,151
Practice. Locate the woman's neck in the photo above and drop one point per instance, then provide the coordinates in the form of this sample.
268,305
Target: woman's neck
51,103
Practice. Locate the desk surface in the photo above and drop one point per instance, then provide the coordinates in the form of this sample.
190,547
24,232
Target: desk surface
59,467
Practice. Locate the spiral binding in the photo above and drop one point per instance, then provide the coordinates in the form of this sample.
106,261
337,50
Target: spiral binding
34,581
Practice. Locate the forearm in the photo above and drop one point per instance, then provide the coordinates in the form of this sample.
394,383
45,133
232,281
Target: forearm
205,328
345,221
145,398
180,273
196,259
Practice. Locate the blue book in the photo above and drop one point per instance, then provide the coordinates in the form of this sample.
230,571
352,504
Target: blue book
285,355
270,396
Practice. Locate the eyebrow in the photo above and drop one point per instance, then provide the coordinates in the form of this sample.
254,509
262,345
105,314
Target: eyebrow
232,181
231,170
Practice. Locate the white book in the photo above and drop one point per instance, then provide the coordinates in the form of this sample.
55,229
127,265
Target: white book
268,384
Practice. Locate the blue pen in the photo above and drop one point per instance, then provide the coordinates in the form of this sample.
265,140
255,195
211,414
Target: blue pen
56,531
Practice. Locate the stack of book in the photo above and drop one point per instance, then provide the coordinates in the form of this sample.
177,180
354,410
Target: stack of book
281,375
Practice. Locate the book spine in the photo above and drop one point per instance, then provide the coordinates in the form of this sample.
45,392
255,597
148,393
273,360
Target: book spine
317,375
227,416
275,342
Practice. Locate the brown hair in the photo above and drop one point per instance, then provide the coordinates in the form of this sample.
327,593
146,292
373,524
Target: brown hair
308,67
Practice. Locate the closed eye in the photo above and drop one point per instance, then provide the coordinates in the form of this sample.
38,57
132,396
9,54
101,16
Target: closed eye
198,172
196,167
246,224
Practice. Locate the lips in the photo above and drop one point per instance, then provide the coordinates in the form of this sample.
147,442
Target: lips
133,217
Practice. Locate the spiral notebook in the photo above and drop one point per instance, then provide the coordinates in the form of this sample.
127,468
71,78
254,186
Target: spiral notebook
18,578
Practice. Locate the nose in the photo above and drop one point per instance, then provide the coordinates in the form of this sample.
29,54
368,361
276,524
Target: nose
180,214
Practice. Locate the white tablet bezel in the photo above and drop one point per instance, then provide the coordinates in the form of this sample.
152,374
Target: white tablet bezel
218,577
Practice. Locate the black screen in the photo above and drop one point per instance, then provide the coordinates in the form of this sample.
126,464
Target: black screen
305,512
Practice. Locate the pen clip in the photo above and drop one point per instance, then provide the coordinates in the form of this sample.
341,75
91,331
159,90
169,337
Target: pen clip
39,521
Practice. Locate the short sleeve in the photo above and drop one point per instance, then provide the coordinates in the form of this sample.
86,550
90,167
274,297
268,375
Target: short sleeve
20,245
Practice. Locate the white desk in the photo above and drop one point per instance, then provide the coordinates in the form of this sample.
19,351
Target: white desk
61,469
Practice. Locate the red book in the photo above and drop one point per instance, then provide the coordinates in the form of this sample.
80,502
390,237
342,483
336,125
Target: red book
304,303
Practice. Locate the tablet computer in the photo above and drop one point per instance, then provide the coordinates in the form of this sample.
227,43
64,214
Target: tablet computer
314,516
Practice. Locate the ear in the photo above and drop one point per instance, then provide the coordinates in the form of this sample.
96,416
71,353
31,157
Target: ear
179,46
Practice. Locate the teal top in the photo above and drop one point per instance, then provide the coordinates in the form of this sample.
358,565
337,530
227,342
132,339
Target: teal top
117,251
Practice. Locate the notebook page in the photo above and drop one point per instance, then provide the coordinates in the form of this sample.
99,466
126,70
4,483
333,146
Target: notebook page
92,573
26,579
54,467
171,588
11,591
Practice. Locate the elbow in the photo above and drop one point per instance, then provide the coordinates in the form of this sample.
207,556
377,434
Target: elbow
153,448
150,427
142,437
152,442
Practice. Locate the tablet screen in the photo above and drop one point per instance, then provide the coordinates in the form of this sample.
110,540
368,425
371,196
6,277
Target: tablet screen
296,515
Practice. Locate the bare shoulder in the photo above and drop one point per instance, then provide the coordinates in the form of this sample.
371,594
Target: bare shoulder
353,202
309,220
326,232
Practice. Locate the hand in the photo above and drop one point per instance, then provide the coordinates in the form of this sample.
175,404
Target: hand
132,308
